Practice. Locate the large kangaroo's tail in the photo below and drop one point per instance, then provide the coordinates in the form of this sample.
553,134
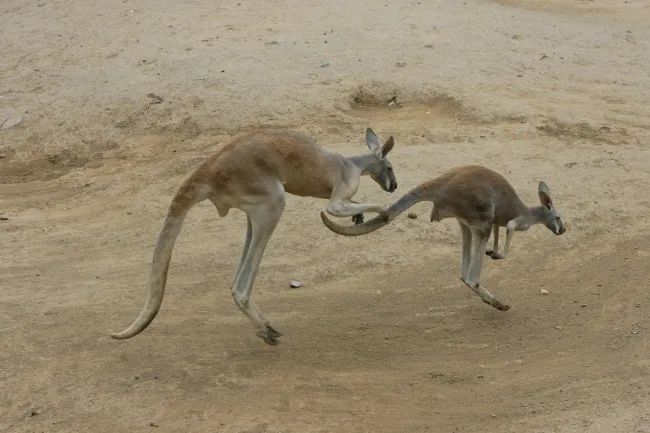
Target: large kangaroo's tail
186,197
401,205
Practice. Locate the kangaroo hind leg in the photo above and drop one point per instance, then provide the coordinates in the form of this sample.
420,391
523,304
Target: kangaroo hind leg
466,252
480,238
263,216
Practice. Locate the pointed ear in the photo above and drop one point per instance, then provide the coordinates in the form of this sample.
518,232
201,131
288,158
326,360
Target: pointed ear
371,140
544,195
388,146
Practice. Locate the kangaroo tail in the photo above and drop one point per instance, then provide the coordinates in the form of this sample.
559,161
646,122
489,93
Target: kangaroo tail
401,205
186,197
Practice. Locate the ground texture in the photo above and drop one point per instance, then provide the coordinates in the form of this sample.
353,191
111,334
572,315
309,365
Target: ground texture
105,107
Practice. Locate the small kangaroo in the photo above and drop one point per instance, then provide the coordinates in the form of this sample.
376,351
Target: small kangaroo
252,173
481,200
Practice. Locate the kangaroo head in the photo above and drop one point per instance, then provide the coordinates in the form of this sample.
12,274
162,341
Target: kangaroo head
548,214
379,168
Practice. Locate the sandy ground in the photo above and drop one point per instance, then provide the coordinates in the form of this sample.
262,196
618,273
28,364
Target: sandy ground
382,337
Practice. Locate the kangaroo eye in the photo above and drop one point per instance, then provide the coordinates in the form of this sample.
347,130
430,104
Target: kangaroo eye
389,168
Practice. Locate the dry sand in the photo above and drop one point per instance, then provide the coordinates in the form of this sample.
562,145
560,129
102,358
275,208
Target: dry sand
382,337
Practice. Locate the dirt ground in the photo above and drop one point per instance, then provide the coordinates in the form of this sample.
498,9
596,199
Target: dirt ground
105,107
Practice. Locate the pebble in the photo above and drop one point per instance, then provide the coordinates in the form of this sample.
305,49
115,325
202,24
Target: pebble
154,99
294,284
325,64
543,291
412,215
12,121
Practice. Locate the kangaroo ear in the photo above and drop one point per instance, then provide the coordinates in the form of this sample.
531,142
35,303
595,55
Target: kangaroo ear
371,140
388,146
544,195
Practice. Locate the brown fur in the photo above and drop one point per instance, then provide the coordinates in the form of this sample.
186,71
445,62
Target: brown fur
473,193
242,166
481,200
253,173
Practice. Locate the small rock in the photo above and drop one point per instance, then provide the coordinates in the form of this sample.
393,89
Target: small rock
543,291
154,99
400,64
493,415
153,424
558,327
294,284
412,215
3,218
33,412
583,305
12,121
3,155
428,46
325,64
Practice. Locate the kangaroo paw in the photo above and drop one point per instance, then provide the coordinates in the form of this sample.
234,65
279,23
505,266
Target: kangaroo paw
494,255
275,333
499,306
270,336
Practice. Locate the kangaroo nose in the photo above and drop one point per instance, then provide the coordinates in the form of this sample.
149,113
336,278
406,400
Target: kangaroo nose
393,186
561,231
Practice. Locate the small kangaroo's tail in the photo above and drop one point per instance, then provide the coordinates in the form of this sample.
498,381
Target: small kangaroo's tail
186,197
406,201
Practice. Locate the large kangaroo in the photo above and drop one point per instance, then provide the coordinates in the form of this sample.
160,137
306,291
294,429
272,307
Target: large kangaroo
252,173
481,200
